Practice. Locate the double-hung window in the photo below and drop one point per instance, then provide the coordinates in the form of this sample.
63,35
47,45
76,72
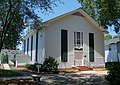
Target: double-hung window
78,40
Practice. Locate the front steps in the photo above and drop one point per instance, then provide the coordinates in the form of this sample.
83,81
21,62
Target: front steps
84,68
81,68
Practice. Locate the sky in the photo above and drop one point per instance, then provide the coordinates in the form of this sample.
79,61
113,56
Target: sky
69,5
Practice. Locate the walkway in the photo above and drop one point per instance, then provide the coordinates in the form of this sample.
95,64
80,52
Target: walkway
82,78
6,66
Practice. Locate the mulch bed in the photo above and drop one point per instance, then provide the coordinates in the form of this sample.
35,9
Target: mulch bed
35,72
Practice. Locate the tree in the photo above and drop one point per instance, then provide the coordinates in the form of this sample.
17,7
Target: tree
16,15
105,12
116,36
108,37
14,60
4,58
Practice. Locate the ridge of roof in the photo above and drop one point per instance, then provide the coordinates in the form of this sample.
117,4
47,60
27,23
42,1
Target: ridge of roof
84,13
112,41
81,11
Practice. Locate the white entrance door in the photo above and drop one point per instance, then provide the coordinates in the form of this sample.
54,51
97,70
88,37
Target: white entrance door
78,58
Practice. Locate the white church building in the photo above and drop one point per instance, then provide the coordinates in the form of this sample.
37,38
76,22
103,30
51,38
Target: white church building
73,39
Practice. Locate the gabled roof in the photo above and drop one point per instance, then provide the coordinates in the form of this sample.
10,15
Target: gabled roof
74,12
83,13
112,41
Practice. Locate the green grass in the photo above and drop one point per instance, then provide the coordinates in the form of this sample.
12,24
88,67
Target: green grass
8,73
69,71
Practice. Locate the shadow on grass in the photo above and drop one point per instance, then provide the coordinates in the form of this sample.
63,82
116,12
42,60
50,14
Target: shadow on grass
8,73
72,79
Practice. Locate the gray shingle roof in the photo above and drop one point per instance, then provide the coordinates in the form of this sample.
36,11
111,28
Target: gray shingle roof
112,41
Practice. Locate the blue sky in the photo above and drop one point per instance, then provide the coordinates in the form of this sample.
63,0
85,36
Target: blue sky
69,5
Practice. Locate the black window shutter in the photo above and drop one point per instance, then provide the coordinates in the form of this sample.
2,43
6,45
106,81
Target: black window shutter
64,46
24,46
91,47
27,45
36,57
31,46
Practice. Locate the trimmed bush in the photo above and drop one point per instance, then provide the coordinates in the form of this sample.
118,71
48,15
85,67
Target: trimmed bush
113,76
4,58
30,66
50,65
14,60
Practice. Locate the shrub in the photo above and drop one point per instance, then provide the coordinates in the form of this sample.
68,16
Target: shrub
50,65
113,76
4,58
30,66
14,60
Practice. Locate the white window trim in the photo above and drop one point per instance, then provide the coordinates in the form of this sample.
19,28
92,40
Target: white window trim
76,45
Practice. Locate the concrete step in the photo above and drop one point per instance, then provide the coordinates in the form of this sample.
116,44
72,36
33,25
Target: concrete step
84,68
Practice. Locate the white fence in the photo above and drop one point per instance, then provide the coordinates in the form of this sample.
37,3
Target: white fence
21,58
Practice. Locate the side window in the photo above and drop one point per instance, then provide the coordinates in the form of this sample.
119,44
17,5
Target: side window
109,48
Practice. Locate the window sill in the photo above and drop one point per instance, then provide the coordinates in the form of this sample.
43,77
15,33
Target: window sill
80,49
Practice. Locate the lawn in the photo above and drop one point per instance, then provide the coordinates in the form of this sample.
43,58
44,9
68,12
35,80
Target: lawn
69,71
8,73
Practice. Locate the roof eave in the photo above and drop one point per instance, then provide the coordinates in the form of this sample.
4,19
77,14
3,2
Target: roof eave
84,14
92,20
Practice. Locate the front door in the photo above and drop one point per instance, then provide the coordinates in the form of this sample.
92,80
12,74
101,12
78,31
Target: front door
78,48
78,57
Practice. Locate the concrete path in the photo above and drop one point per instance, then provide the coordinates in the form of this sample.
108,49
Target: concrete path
6,66
81,78
99,73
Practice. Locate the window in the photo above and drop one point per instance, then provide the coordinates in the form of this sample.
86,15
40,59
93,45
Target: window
109,48
78,40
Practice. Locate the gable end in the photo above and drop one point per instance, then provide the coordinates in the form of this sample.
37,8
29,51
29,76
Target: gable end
78,14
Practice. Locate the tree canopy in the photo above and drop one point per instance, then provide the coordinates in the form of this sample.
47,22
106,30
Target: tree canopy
116,36
105,12
15,15
108,37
